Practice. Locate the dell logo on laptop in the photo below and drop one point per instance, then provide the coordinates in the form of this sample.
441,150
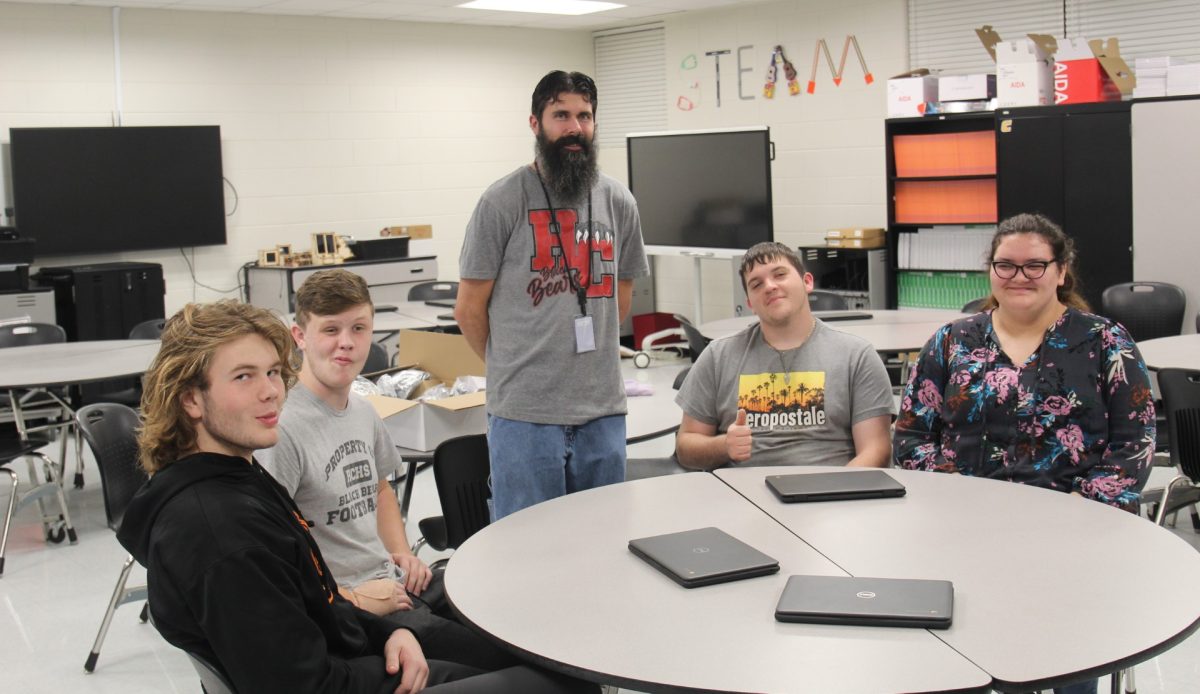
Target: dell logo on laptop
865,594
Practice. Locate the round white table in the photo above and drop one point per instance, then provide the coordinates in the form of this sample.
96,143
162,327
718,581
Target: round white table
887,330
1048,588
71,363
1176,352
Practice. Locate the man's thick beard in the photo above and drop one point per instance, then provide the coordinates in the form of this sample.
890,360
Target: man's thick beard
568,175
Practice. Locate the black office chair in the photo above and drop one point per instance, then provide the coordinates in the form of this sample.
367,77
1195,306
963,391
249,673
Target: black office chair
433,291
1146,309
148,329
1181,399
110,430
461,468
131,396
820,300
23,334
377,359
680,377
696,341
54,526
212,680
975,306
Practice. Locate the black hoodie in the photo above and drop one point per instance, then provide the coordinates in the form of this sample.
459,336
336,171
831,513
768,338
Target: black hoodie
234,576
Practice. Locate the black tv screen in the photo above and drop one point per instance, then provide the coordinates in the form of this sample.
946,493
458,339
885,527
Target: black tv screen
703,189
95,190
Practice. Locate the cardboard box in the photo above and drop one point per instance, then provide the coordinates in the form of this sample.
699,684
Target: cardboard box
979,87
1024,73
412,231
1087,71
1024,68
873,242
422,426
854,233
1183,79
907,94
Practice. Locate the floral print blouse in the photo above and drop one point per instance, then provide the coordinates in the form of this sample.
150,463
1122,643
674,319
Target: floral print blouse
1077,416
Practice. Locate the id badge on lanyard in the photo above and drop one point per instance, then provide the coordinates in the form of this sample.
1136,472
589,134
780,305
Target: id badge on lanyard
585,335
585,331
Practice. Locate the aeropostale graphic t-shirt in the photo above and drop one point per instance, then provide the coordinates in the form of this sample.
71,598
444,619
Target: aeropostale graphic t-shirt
800,404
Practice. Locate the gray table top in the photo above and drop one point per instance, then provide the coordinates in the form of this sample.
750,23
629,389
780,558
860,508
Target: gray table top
557,583
1177,352
886,330
68,363
1046,584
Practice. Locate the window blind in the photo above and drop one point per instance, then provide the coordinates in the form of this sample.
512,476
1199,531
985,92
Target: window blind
1146,29
631,80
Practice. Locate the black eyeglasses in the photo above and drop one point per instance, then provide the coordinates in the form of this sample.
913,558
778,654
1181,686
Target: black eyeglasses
1033,270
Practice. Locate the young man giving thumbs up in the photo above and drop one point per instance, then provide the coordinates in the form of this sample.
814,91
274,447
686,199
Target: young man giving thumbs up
788,390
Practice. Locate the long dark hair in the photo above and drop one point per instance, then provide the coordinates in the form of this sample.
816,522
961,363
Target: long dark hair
1062,246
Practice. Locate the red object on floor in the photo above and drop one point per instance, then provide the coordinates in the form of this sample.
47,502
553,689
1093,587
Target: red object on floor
647,323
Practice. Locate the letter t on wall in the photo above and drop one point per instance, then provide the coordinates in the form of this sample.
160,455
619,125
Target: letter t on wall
717,60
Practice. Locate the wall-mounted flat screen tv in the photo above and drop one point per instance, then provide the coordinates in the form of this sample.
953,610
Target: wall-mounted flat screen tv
702,190
101,190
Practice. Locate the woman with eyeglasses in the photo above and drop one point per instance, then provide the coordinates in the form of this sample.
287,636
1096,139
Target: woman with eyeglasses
1035,389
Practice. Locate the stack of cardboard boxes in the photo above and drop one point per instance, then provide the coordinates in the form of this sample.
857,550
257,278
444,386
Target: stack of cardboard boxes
1036,70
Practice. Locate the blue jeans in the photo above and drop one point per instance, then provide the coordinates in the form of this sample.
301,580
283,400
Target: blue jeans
535,462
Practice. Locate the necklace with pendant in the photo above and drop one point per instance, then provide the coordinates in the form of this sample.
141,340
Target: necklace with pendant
787,367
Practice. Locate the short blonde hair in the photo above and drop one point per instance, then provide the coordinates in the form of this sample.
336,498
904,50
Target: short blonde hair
190,338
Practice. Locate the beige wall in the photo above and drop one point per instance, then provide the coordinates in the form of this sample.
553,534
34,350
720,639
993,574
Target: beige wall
326,124
353,125
829,167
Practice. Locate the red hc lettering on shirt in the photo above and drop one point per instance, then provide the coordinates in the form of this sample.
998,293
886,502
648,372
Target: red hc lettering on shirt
575,249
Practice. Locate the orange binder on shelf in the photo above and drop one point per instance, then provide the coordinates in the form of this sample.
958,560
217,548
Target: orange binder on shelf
971,201
945,154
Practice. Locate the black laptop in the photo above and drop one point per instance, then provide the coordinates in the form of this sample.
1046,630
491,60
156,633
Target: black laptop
890,602
703,557
834,486
837,315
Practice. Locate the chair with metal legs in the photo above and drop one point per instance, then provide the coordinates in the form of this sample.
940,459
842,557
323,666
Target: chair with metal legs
29,404
54,526
110,430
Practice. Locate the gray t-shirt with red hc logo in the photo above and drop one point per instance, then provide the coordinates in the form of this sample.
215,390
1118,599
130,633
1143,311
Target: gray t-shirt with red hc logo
533,371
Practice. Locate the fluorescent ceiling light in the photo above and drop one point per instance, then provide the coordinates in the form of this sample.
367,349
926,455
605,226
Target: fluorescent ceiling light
571,7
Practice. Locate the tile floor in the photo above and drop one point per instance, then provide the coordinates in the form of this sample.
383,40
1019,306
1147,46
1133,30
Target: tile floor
53,596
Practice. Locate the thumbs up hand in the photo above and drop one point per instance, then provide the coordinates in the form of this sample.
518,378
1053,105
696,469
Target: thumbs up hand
738,439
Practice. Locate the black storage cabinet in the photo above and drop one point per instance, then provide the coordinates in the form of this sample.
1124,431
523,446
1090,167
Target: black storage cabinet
103,302
1073,164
